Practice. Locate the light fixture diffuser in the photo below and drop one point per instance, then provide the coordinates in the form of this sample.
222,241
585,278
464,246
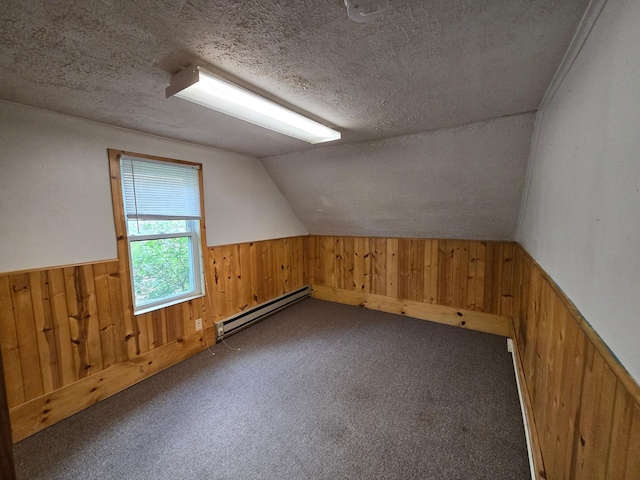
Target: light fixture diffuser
210,91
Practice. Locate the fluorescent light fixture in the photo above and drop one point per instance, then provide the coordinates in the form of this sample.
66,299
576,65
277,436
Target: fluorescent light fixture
213,92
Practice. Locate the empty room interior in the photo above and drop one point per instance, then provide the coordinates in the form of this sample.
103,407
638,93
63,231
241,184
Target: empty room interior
329,239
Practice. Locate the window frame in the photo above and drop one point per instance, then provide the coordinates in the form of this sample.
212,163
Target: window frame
195,259
195,232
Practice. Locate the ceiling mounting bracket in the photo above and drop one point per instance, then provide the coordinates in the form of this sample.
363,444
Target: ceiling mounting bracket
363,11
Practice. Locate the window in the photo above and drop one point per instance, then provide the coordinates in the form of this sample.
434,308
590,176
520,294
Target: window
162,215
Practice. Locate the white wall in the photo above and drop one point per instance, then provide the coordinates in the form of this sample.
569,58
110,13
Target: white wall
462,182
581,219
55,197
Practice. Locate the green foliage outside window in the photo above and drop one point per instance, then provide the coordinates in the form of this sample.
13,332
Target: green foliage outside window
161,267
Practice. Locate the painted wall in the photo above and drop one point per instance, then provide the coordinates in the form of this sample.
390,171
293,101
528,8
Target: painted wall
581,218
55,197
457,183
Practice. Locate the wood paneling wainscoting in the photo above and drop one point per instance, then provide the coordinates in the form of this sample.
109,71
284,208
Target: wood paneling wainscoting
469,274
584,408
69,337
585,404
243,275
466,283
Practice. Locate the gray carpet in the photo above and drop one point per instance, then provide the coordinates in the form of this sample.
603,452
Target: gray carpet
317,391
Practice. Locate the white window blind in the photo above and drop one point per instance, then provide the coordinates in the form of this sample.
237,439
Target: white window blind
155,190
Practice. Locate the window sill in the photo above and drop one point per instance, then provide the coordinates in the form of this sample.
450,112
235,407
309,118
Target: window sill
143,310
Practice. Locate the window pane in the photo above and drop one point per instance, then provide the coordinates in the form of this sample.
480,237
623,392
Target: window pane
154,227
161,268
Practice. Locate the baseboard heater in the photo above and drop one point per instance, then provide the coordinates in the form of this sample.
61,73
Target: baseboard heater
235,323
525,417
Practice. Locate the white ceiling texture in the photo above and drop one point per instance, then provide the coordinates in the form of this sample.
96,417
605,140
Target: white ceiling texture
425,65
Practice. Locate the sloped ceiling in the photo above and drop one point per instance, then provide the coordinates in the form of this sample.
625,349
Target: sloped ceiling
463,182
425,65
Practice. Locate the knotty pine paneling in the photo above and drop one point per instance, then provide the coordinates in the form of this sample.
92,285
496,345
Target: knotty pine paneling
61,325
466,274
62,328
586,406
244,275
64,325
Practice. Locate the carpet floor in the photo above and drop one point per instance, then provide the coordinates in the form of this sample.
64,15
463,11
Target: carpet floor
317,391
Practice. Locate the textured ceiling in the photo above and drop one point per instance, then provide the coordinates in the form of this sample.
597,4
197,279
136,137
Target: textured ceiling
424,65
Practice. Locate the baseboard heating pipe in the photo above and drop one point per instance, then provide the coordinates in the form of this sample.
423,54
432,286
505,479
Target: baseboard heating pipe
525,420
244,319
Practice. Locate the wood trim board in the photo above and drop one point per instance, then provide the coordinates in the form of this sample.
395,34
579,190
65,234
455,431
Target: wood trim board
457,317
7,464
41,412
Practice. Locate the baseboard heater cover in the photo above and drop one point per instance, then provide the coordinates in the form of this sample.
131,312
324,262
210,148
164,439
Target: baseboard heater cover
523,408
235,323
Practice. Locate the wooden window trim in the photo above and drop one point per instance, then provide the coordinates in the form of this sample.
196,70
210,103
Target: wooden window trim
121,227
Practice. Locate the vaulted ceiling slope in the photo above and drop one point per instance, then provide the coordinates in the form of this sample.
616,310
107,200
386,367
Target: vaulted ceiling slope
424,65
464,182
